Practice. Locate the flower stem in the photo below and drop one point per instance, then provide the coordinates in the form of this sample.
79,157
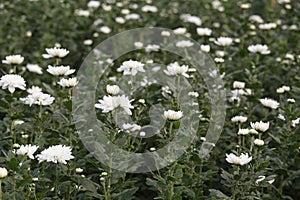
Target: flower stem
1,195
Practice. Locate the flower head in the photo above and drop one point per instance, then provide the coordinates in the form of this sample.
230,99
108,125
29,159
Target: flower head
258,48
184,43
224,41
11,82
13,59
131,67
258,142
109,103
38,98
56,154
174,69
3,172
55,52
34,68
239,119
270,103
173,115
60,70
204,31
112,89
27,149
71,82
238,160
260,126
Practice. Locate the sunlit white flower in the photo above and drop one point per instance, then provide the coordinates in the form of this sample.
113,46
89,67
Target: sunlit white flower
131,127
258,48
88,42
109,103
34,89
71,82
184,44
93,4
13,59
132,16
224,41
205,48
219,60
78,170
138,44
105,29
243,131
239,85
173,115
11,82
258,142
280,116
3,172
18,122
112,89
238,160
55,52
174,69
193,94
38,98
220,53
280,90
191,19
27,149
291,100
260,126
295,122
34,68
56,154
270,103
152,47
204,31
131,67
120,20
239,119
256,18
165,33
149,8
180,31
60,70
82,13
267,26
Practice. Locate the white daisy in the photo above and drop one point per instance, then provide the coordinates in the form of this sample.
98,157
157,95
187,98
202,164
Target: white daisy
11,82
13,59
131,67
56,154
109,103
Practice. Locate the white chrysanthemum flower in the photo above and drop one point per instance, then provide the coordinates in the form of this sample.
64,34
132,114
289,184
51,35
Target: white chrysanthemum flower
88,42
173,115
258,48
295,122
13,59
55,52
34,68
165,33
18,122
243,131
11,82
131,127
152,47
174,69
105,29
238,160
267,26
205,48
56,154
193,94
131,67
71,82
191,19
184,43
132,16
82,13
93,4
149,8
239,85
280,90
280,116
291,100
258,142
34,89
120,20
224,41
204,31
260,126
27,149
180,31
219,60
3,172
138,44
39,98
109,103
256,18
239,119
270,103
60,70
112,89
78,170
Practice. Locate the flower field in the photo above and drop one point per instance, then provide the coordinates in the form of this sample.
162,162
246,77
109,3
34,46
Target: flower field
145,99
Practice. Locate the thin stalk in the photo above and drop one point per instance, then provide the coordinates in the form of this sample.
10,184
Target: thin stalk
1,195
